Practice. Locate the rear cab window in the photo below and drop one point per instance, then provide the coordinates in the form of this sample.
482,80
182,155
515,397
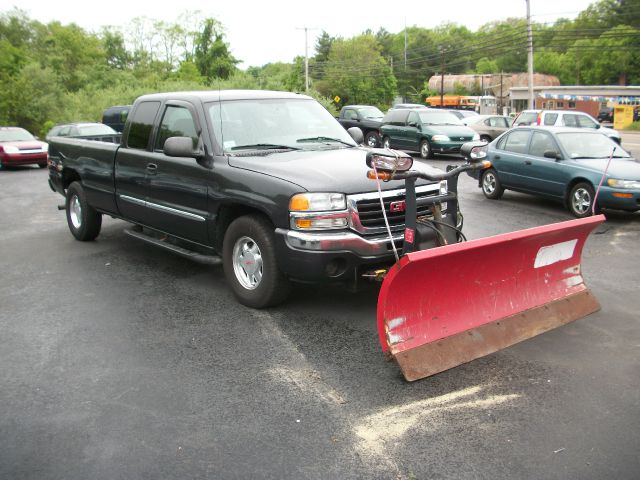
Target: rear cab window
141,125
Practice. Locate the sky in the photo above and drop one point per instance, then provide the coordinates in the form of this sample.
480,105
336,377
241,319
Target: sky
261,32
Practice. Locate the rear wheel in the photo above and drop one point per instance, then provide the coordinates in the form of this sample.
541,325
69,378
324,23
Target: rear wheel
83,220
250,265
386,142
371,139
425,149
491,186
580,200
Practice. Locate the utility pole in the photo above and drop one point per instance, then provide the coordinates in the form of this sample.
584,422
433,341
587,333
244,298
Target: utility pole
441,77
529,56
306,57
500,109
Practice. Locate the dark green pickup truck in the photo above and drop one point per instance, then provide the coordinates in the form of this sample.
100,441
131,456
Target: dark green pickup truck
424,130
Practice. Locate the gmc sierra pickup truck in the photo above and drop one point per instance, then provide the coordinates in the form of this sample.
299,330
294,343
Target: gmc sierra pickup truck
266,183
366,118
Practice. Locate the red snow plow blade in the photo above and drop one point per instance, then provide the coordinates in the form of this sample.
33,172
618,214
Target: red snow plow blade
445,306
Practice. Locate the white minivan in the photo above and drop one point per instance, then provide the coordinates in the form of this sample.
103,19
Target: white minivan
564,118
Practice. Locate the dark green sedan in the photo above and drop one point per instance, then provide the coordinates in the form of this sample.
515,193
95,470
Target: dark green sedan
564,164
424,130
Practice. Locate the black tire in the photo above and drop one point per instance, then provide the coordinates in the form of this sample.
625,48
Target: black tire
42,164
83,220
386,142
580,200
425,149
252,237
490,184
371,139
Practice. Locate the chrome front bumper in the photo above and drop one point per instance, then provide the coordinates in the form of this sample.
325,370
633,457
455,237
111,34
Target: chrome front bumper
341,241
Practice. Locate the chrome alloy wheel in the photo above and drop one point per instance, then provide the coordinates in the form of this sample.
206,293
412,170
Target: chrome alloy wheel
424,150
581,201
75,212
247,263
489,183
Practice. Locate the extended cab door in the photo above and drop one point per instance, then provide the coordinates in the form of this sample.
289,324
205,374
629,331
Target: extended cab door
131,163
177,186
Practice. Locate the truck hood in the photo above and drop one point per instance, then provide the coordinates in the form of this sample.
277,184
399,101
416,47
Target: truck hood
620,168
341,170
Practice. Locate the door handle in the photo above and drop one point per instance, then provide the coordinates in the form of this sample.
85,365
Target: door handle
152,167
527,162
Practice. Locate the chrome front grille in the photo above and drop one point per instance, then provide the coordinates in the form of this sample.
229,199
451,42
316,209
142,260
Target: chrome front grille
365,214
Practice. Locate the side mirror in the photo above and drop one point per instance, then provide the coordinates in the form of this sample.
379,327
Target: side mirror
598,126
413,124
356,134
180,147
552,154
474,151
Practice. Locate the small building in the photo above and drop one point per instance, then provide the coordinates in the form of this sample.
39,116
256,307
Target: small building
585,98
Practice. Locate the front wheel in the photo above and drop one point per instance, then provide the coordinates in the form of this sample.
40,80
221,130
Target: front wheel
491,186
425,149
249,262
83,220
580,200
371,139
386,143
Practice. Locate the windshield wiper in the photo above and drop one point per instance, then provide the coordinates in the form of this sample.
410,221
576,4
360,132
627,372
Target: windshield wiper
324,139
264,146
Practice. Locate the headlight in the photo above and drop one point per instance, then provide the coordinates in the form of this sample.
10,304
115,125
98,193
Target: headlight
476,137
440,138
318,211
394,161
623,183
317,202
10,149
443,187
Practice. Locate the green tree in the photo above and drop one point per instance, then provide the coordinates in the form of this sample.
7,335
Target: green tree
212,56
357,73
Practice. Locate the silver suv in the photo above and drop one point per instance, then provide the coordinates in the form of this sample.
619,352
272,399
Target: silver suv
564,118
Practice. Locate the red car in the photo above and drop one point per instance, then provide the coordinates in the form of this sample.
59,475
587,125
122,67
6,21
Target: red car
19,147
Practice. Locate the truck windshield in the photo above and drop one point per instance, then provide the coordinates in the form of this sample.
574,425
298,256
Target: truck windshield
371,112
282,122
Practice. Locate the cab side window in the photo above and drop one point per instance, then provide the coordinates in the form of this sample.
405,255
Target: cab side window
550,118
141,125
176,122
569,121
413,118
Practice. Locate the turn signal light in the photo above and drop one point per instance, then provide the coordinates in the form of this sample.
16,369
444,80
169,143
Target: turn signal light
486,163
380,176
622,195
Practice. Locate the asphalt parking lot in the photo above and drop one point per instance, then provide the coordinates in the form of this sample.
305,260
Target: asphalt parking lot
119,360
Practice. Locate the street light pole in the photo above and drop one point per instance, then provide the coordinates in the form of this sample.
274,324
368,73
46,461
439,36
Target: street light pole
306,57
530,55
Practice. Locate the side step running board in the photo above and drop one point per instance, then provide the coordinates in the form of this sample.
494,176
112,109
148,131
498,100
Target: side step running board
184,252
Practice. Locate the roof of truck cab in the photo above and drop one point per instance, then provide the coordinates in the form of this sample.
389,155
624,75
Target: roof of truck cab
222,95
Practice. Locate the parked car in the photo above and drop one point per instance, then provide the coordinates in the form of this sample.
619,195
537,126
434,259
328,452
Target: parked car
367,118
424,130
605,114
489,127
116,116
564,118
88,131
19,147
564,164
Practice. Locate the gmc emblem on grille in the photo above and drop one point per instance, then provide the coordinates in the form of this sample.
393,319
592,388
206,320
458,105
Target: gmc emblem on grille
395,207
